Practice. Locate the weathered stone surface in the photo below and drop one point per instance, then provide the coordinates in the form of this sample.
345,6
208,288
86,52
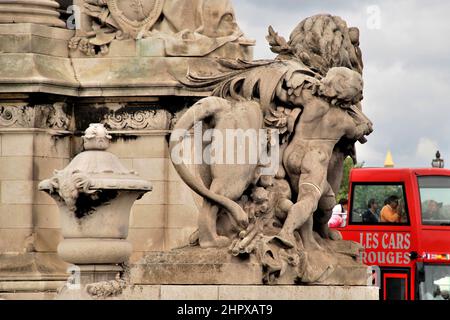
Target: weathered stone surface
141,64
30,286
9,165
16,239
46,216
94,193
33,11
309,101
237,293
193,266
138,148
33,44
17,144
149,239
44,66
175,238
148,216
32,266
28,295
47,239
168,28
21,72
94,251
15,216
298,293
17,192
189,292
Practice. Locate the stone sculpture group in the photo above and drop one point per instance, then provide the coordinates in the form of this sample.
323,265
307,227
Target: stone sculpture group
133,72
312,94
187,28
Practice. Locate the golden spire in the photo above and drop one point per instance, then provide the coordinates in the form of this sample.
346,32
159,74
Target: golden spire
389,162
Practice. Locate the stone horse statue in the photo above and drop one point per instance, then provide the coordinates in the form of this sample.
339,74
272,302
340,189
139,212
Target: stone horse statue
310,94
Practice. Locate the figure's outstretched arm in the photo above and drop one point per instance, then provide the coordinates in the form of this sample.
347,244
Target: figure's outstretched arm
357,130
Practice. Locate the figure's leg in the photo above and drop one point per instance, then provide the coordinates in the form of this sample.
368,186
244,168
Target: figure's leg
311,185
326,205
307,235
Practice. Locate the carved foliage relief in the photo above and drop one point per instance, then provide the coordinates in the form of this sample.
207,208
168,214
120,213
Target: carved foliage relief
48,116
139,120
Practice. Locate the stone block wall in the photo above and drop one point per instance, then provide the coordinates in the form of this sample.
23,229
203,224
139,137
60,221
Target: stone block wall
49,93
32,146
31,151
165,218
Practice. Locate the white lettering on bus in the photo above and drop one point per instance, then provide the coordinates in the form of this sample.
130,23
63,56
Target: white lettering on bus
389,241
381,257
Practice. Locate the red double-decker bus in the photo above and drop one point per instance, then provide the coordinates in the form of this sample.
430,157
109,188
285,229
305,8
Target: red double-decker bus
402,218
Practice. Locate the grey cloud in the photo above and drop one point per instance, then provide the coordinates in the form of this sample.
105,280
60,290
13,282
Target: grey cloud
407,67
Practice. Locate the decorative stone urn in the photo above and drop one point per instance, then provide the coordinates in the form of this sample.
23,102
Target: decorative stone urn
95,193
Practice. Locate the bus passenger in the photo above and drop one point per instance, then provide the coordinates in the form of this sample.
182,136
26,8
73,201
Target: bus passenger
390,212
432,210
371,216
339,217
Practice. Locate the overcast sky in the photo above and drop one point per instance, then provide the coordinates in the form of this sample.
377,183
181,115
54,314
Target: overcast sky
406,51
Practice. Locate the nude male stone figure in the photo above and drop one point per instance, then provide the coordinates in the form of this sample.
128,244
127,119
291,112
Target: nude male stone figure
306,159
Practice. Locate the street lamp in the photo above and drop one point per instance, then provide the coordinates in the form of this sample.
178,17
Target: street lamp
438,162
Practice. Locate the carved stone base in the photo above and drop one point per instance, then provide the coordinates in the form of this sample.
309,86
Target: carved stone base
196,266
84,276
215,292
30,273
248,293
191,266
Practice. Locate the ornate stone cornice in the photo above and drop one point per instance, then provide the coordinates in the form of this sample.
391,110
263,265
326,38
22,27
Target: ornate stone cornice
13,116
139,120
48,116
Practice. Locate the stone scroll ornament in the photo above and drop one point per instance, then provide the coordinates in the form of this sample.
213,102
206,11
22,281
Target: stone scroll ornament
311,93
199,27
47,116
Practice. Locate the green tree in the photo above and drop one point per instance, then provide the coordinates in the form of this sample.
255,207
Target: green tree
348,166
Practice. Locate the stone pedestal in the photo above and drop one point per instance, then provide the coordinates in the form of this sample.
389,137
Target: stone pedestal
33,143
249,293
98,273
95,193
193,266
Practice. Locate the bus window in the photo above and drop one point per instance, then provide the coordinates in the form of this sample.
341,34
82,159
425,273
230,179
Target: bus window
436,285
435,200
378,204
